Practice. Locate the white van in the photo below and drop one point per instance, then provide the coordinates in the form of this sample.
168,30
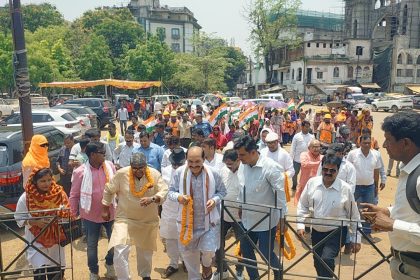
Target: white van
121,96
276,96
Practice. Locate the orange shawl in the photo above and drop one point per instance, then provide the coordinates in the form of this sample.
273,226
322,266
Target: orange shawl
54,198
37,156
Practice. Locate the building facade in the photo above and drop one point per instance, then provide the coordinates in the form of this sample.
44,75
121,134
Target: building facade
324,58
176,26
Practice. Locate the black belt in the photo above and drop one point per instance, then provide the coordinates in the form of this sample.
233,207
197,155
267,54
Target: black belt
410,258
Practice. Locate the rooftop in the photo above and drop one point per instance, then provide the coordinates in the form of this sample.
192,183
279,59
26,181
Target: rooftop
320,20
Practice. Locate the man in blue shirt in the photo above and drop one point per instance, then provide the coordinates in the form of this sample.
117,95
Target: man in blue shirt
159,137
203,125
153,152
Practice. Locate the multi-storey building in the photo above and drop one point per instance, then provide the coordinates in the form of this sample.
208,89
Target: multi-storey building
175,25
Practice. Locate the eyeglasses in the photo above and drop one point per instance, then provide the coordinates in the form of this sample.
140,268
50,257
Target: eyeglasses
45,145
138,167
329,170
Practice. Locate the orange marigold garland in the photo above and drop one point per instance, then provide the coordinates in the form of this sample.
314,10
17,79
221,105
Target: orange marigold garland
288,240
187,223
147,186
106,172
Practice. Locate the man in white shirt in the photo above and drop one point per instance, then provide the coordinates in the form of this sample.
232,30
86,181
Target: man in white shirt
261,183
113,139
230,178
278,154
263,134
172,143
300,144
402,221
123,152
329,197
213,159
367,166
122,118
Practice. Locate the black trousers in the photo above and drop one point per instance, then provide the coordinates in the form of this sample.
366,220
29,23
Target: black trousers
53,276
329,250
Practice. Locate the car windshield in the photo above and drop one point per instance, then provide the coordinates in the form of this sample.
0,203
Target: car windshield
12,119
4,156
74,114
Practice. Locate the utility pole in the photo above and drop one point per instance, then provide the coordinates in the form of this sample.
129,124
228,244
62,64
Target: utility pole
20,64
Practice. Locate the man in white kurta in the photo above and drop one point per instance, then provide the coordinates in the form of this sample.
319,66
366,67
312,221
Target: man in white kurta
278,154
206,188
136,220
170,213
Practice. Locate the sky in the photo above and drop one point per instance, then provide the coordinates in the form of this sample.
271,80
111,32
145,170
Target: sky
223,18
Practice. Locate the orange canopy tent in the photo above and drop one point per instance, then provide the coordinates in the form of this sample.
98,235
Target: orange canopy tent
133,85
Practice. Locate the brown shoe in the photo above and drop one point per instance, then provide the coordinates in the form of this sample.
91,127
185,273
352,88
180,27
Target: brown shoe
169,271
207,273
347,249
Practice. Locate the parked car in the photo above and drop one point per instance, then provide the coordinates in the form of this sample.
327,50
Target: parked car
416,101
393,104
40,102
5,108
276,96
62,119
14,103
11,156
165,99
81,110
102,107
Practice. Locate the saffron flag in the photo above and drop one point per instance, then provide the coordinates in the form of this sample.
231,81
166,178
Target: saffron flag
218,114
248,115
150,124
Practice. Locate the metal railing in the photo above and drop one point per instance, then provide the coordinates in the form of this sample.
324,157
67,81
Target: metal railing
225,259
6,269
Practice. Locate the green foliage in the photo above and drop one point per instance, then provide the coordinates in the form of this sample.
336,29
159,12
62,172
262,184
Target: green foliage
109,42
151,60
273,26
94,61
6,65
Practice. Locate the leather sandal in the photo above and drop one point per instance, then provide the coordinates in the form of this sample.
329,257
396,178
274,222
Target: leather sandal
169,271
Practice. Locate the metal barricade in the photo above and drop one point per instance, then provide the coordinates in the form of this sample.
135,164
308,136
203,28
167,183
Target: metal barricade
225,259
52,220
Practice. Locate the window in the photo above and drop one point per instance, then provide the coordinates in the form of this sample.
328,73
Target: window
325,45
68,117
344,45
175,33
176,47
336,73
409,59
317,45
355,29
358,71
331,45
55,141
299,77
409,73
293,74
337,45
418,60
319,75
161,33
405,20
399,72
400,59
359,50
418,73
350,71
366,69
308,45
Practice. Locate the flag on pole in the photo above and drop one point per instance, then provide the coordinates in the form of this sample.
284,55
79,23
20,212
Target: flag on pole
247,116
150,124
218,114
291,105
300,104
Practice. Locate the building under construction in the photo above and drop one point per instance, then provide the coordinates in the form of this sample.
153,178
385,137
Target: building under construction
393,26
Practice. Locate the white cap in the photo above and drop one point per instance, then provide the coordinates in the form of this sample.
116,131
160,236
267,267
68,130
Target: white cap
271,137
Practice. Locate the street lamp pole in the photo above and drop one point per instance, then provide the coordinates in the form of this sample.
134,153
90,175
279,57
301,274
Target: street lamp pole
21,73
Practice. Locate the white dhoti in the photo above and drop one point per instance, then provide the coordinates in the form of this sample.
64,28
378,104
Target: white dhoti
122,269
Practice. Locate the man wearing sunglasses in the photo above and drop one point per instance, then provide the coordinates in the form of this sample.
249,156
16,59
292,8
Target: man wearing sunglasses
331,198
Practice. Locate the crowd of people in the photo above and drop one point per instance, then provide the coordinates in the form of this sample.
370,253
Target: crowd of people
166,173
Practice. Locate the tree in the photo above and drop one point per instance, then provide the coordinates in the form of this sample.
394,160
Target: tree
95,60
42,67
236,68
151,60
6,65
269,18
